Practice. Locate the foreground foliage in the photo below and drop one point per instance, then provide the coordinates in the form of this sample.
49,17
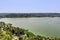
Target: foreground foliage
8,32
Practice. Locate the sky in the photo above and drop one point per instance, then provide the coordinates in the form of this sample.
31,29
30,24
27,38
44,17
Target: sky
29,6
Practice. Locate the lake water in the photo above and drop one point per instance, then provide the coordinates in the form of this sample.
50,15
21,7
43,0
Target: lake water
42,26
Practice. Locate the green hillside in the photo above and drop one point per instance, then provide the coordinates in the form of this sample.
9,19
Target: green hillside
9,32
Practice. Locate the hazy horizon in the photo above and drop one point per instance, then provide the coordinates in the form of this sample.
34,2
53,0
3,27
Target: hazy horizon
29,6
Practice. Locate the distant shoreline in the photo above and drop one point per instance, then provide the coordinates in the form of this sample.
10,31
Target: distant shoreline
28,15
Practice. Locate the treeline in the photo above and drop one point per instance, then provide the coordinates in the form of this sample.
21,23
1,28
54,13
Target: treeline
12,15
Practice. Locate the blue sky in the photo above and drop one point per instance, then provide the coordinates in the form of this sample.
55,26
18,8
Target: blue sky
24,6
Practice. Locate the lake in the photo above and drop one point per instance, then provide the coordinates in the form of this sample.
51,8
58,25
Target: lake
45,26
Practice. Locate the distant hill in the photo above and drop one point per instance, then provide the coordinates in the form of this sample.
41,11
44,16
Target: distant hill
12,15
3,14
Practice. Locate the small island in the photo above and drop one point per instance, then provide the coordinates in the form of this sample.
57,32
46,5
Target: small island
9,32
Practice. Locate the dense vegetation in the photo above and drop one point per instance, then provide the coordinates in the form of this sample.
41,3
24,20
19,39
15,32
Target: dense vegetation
8,32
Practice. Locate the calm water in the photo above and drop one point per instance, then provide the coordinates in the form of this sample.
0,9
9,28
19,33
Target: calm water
42,26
